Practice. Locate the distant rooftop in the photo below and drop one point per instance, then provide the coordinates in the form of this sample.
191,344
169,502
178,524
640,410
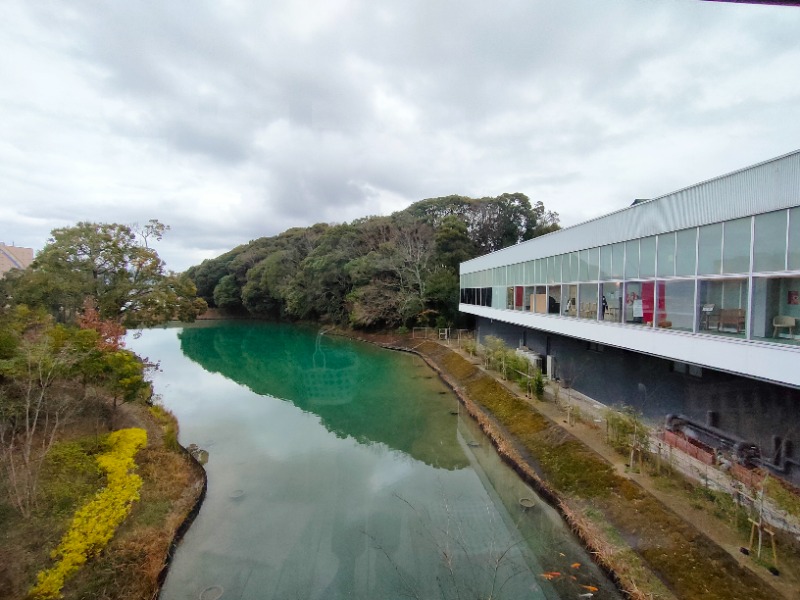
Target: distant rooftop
14,257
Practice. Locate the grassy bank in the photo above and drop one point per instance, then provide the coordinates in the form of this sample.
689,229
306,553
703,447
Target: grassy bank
651,550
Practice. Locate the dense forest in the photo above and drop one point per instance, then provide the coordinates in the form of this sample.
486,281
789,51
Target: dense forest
400,270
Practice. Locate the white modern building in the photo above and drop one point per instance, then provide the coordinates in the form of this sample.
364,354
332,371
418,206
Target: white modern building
687,303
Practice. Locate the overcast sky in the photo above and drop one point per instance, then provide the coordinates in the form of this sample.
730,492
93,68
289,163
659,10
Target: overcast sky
231,120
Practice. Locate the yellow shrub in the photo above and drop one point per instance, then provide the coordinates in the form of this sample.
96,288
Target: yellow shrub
94,523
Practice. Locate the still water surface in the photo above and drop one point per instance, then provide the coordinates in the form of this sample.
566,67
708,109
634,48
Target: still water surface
340,470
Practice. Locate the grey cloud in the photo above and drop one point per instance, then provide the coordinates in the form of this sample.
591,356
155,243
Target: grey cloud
279,116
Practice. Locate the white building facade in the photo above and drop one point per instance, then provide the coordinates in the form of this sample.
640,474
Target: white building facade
705,279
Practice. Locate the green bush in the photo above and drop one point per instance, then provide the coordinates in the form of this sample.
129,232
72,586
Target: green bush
538,384
71,472
169,425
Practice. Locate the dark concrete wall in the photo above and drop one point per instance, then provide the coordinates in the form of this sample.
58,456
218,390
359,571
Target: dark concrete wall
747,408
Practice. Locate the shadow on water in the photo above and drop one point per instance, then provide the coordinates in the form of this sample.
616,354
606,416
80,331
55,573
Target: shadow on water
326,376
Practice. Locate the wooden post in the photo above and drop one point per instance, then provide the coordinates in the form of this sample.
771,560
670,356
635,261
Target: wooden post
752,534
641,451
633,447
774,549
658,460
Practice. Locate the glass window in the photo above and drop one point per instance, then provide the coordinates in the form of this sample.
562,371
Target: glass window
554,299
736,249
632,259
666,255
527,298
769,246
587,298
569,300
647,257
498,296
537,298
676,305
776,309
573,267
710,249
519,297
594,263
685,251
722,304
551,265
605,262
511,274
794,238
611,301
639,302
584,265
618,260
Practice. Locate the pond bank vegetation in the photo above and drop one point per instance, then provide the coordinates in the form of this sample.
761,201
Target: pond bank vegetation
131,564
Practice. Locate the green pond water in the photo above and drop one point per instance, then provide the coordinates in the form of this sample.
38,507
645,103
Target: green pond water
340,470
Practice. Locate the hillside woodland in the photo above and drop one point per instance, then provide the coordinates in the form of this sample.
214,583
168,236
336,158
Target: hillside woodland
376,272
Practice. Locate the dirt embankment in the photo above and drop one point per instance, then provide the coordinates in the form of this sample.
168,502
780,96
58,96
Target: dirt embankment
173,490
641,541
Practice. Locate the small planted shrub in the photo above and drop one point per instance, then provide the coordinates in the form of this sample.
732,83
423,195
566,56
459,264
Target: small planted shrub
470,347
169,425
538,384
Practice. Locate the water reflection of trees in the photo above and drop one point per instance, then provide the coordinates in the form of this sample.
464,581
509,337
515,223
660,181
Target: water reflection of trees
362,395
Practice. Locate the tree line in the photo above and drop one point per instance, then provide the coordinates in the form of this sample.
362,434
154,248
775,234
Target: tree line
62,354
375,272
114,265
